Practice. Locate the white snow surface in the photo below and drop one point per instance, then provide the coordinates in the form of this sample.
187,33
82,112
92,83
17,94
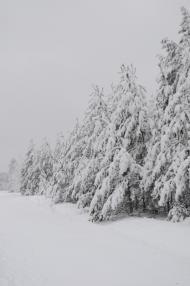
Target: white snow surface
55,245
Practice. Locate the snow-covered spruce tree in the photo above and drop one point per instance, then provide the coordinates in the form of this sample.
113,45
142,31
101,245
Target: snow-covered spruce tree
68,163
30,172
169,66
118,181
59,180
153,147
58,157
80,161
14,176
167,171
93,125
59,148
46,168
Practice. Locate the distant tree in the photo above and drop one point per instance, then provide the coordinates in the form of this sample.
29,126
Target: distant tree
30,172
14,176
4,181
67,163
46,167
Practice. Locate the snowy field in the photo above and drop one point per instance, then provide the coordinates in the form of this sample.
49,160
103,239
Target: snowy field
43,244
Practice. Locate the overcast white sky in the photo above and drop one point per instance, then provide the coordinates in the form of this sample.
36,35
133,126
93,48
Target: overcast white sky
52,51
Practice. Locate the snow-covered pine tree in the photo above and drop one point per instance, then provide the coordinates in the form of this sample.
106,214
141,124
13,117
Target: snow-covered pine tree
30,172
46,168
153,147
93,125
58,158
167,171
59,148
67,165
80,162
185,29
118,182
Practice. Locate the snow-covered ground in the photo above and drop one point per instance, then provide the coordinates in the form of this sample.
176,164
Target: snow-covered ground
44,244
